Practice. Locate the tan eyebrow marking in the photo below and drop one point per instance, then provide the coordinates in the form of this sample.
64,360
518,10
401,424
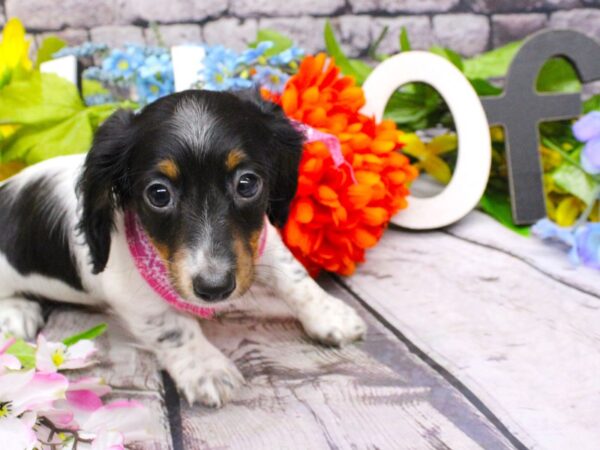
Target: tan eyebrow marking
234,157
169,169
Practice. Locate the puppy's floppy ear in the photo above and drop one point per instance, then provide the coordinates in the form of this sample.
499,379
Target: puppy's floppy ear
103,184
285,154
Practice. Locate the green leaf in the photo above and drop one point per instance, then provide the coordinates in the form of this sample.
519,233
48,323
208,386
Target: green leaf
450,55
576,182
592,104
497,205
33,144
90,334
280,42
354,68
24,352
492,64
52,119
404,41
558,75
47,49
44,98
484,87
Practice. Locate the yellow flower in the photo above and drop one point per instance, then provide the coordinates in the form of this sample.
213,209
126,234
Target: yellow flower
428,154
14,52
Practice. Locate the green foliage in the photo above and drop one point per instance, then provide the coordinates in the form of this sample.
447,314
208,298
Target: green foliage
575,181
355,68
492,64
450,55
558,75
497,204
404,41
280,42
24,352
52,119
48,47
90,334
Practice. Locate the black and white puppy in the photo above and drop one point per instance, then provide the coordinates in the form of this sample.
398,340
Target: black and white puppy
200,170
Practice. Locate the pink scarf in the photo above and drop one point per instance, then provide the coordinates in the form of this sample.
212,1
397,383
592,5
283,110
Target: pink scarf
152,269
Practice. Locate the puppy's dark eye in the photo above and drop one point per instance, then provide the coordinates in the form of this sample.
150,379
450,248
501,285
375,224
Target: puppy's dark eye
158,195
248,185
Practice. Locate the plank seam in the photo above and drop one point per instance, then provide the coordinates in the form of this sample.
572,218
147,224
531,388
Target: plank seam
173,407
442,371
513,255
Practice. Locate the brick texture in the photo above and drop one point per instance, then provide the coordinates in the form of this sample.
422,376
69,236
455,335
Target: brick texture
261,8
511,27
166,11
117,36
170,35
403,6
468,27
50,15
585,20
467,34
232,33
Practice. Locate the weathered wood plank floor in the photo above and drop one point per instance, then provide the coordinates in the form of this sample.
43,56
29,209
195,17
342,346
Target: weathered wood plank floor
477,338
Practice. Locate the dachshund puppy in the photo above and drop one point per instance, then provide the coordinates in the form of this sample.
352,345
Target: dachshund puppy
196,174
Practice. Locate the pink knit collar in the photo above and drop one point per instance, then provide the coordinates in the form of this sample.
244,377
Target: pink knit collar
152,269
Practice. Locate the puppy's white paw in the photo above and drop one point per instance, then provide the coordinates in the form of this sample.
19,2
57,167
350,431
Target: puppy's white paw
331,322
20,318
211,380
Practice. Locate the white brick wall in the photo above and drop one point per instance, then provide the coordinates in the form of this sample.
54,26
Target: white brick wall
465,26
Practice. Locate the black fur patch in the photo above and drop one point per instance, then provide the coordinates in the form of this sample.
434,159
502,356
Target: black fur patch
33,233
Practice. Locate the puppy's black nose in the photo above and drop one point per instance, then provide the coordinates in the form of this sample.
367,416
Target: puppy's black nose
214,289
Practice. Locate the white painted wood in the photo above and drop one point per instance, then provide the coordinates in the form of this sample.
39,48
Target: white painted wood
549,258
303,396
525,344
187,63
65,67
474,152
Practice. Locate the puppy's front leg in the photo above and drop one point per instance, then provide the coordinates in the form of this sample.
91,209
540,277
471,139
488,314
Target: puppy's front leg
199,369
324,317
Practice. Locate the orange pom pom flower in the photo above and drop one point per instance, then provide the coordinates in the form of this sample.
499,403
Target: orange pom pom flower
340,211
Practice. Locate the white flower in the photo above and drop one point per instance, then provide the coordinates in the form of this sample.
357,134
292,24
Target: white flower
54,356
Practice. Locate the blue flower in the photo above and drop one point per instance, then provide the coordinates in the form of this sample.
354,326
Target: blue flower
271,78
84,50
221,70
123,63
155,78
253,55
286,57
587,239
583,241
587,129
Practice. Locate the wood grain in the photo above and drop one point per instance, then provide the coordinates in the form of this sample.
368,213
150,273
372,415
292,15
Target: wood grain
526,344
300,395
547,257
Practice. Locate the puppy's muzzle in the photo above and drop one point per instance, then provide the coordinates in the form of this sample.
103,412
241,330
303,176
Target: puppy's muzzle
215,287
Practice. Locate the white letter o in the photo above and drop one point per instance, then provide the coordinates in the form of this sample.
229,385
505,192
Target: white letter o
474,153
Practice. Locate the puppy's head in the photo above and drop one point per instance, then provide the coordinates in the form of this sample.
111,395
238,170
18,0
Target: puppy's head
200,169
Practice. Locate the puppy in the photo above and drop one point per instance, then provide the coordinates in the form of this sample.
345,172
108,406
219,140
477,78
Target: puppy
198,171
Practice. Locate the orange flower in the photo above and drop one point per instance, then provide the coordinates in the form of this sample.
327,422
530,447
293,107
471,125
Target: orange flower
333,218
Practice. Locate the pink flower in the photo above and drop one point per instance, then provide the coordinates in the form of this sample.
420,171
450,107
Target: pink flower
54,356
82,399
127,418
22,394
